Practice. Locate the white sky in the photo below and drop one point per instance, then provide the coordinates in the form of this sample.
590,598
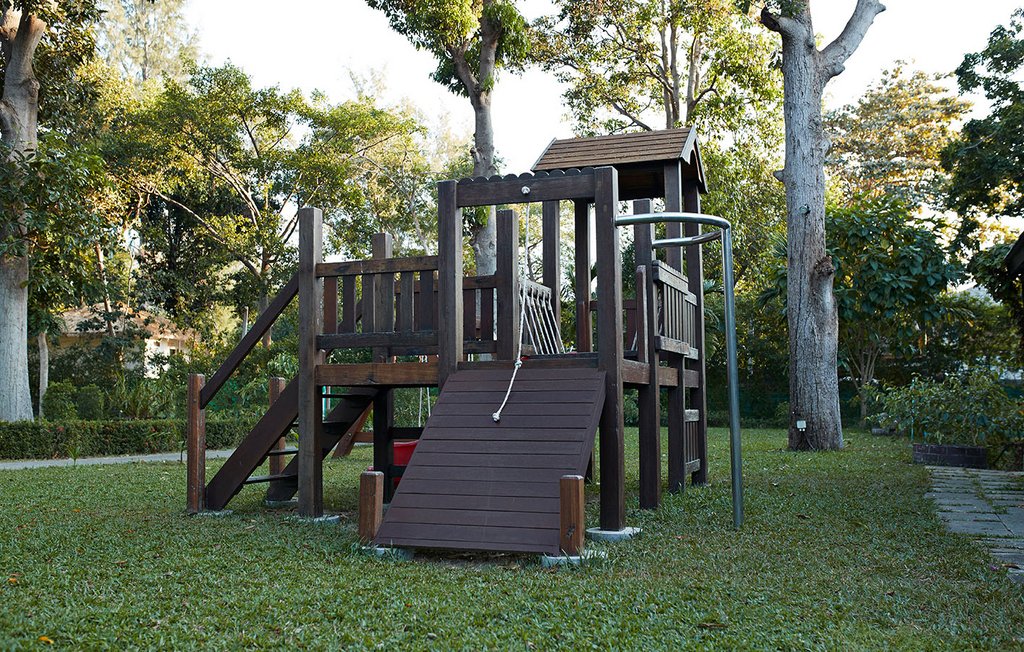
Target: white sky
309,45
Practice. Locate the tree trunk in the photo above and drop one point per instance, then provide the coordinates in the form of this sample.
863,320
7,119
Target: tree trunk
811,309
44,368
19,36
484,238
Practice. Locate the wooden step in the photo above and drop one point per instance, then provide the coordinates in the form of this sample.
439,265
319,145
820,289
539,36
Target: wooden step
256,479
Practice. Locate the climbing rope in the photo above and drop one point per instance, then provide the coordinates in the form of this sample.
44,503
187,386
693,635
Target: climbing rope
522,311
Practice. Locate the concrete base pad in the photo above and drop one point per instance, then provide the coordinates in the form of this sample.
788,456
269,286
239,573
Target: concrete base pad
281,504
392,554
324,520
550,561
597,534
213,514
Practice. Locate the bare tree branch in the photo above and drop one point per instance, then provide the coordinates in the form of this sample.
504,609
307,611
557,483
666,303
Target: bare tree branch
835,54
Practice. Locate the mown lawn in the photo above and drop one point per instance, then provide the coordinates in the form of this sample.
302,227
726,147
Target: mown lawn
839,551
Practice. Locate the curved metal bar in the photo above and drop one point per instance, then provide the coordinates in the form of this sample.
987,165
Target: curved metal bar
725,233
688,241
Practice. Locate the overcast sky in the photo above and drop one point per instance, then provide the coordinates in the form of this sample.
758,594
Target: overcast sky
310,44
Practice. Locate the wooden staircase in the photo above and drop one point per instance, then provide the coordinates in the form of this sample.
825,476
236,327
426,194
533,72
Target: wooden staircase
261,441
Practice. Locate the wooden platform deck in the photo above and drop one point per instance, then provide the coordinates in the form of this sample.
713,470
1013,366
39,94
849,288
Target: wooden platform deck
474,484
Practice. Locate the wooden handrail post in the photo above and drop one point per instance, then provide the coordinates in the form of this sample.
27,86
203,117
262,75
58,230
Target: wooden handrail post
507,269
572,525
371,504
274,389
649,395
609,349
196,446
551,248
449,281
311,498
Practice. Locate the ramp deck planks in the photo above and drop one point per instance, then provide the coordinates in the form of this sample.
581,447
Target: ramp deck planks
474,484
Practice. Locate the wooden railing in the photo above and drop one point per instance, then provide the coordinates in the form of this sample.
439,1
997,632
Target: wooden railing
248,341
677,311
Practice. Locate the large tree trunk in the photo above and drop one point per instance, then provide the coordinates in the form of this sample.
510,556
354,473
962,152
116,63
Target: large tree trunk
811,309
19,36
484,239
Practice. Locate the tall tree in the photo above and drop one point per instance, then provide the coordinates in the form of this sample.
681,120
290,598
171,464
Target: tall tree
985,162
472,40
890,142
146,40
648,64
812,313
58,35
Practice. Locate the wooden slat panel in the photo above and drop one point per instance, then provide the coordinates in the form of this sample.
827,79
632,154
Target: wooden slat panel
476,484
348,304
402,374
331,305
406,298
377,266
356,340
425,303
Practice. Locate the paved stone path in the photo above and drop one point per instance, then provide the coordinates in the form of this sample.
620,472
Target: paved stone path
91,461
986,504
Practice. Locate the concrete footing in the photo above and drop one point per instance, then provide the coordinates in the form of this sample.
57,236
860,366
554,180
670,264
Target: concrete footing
392,554
213,514
551,561
611,536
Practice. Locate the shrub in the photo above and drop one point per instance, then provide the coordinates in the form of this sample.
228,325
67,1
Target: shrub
89,402
58,402
49,439
972,409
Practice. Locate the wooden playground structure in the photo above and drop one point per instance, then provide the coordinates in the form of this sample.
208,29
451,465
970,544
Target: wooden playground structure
477,481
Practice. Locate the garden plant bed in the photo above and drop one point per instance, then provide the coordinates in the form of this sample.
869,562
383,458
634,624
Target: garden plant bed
972,457
838,551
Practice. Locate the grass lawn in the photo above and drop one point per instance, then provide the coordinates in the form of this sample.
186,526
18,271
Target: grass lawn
839,551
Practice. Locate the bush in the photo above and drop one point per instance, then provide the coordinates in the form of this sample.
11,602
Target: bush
89,402
49,439
972,410
58,402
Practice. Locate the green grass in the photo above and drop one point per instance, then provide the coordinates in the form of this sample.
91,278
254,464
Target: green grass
839,551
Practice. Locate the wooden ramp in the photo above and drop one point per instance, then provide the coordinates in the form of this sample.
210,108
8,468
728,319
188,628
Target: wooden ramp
474,484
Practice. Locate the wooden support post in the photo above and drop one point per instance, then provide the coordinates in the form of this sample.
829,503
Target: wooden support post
449,281
695,277
677,456
383,452
311,498
383,298
507,270
609,347
196,447
584,318
371,504
584,324
674,204
551,248
572,513
649,395
277,462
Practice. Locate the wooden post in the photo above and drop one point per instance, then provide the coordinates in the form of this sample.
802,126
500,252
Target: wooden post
584,325
673,204
695,277
551,254
311,498
609,347
195,447
449,281
371,504
571,511
649,395
277,464
383,298
507,269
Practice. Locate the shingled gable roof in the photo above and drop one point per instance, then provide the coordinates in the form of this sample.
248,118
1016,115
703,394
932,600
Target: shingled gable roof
639,157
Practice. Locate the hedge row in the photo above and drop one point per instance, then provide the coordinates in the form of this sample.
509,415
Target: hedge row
51,439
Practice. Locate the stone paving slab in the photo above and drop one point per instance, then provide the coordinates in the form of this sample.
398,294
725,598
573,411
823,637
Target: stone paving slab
986,504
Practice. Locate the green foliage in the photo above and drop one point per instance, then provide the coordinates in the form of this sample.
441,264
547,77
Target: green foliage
988,268
146,40
89,402
984,163
646,64
890,142
454,31
972,409
59,401
70,438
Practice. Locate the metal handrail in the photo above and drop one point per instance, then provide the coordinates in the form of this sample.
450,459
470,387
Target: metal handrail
725,233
